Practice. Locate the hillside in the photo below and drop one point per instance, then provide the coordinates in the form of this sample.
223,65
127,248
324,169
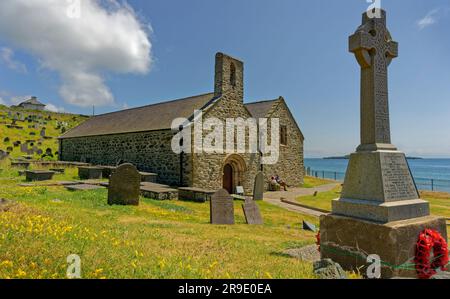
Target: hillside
22,132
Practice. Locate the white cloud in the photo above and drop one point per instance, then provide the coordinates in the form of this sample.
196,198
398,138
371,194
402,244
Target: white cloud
15,100
106,37
52,108
2,101
7,57
432,17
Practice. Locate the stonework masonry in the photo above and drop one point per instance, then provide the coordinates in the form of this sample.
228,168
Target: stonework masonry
151,151
148,151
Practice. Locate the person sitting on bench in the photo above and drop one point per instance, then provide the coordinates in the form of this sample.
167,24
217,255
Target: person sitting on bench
281,182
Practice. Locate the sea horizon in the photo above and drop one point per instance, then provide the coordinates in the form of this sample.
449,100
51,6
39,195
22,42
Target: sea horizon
429,173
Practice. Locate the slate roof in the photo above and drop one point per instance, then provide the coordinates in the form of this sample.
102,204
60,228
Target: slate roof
142,119
260,109
154,117
33,101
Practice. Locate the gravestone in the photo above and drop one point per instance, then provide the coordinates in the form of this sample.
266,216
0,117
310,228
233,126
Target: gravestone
24,148
124,186
258,188
82,187
39,175
252,213
89,173
222,208
380,211
42,133
3,155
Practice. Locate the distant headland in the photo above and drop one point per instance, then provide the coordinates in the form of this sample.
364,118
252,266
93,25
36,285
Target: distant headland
348,157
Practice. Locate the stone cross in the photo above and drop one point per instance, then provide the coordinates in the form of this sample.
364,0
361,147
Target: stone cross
374,49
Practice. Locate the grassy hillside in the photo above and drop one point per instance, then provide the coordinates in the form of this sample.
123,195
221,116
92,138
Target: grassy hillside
155,240
32,123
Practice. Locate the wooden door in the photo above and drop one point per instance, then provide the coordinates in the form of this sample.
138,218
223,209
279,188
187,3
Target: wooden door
228,178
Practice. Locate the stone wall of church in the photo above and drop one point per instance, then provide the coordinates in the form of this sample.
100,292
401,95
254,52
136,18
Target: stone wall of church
208,168
290,166
149,151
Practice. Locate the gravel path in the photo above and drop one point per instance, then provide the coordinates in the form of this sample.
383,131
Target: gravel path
292,194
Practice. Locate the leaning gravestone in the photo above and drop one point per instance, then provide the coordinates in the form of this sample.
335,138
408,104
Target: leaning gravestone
258,188
124,186
222,208
380,211
252,213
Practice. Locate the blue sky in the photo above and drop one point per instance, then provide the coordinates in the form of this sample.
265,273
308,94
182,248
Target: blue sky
291,48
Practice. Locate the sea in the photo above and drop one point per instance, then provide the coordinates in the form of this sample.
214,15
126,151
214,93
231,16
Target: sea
429,174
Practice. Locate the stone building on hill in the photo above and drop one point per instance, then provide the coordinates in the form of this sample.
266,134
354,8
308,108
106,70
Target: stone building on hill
143,136
32,104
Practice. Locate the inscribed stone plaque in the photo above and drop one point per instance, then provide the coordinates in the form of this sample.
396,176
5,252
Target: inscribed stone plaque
258,189
124,185
252,213
222,208
398,183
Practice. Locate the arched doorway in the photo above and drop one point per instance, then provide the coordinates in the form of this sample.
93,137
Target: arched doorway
228,178
233,172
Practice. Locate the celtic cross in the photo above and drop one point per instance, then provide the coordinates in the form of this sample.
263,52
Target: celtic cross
374,49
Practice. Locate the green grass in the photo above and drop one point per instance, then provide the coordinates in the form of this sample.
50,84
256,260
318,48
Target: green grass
24,134
322,200
311,182
155,240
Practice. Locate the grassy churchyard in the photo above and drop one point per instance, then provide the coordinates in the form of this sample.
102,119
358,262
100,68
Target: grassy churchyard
171,239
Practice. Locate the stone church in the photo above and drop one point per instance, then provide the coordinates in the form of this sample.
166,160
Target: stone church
143,136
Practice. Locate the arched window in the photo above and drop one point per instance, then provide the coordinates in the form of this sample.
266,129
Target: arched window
232,75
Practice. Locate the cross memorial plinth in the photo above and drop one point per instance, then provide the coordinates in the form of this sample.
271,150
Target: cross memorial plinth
380,211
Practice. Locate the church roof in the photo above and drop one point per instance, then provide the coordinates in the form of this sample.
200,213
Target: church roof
148,118
33,101
260,109
155,117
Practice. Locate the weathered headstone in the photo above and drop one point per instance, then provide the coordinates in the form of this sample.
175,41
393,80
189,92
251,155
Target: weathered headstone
39,175
3,155
24,148
124,186
42,133
89,172
222,208
252,212
258,188
379,211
